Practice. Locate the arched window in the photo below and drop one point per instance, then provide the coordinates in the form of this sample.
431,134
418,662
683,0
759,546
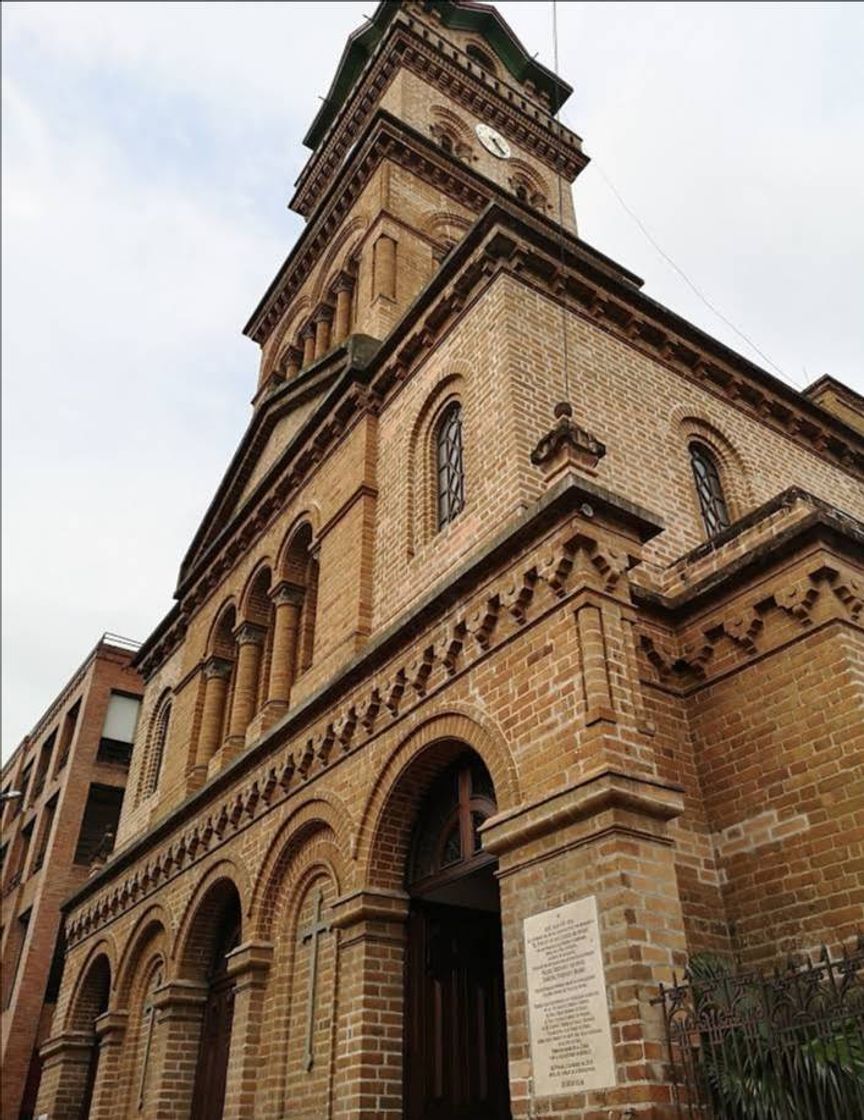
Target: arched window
521,192
447,840
712,503
156,747
445,142
480,57
450,470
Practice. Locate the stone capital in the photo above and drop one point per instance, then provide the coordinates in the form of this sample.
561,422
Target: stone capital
217,667
111,1026
70,1046
308,330
369,906
323,314
344,282
292,357
249,963
287,593
180,998
250,633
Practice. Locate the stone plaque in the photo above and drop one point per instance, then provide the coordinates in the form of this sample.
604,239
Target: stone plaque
571,1040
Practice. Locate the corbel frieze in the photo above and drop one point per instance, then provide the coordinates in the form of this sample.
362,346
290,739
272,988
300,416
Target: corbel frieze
751,628
553,574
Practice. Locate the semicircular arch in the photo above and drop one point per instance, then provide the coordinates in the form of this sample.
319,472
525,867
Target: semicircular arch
222,870
321,816
452,726
153,929
79,1007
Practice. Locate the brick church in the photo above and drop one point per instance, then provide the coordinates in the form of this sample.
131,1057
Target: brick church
519,655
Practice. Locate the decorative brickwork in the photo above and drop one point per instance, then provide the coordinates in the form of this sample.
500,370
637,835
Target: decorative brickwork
666,722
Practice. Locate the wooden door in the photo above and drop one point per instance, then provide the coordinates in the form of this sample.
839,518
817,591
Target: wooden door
456,1055
212,1071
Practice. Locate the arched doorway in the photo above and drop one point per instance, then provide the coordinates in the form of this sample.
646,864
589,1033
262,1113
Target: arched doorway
92,1002
220,920
456,1052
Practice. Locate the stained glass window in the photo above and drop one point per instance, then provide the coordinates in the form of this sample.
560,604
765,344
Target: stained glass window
712,503
451,475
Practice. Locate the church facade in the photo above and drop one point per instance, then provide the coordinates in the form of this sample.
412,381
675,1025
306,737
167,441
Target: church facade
522,646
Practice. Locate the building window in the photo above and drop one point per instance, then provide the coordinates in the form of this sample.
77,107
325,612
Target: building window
450,471
68,734
712,503
447,835
99,826
45,832
480,57
156,747
118,731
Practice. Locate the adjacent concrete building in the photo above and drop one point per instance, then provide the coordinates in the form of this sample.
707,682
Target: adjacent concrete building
62,790
520,647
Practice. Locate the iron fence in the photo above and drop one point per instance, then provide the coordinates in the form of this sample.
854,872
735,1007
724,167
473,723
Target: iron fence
788,1045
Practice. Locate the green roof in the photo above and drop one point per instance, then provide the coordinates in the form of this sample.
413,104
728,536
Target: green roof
462,15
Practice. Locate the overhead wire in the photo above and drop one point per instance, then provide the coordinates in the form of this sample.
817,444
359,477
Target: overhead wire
652,241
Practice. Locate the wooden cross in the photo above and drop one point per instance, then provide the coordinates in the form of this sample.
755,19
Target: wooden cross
150,1015
311,934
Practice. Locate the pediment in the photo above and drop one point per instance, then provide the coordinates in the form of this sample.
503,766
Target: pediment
275,428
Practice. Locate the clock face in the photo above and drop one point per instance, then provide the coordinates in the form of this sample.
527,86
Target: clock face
492,141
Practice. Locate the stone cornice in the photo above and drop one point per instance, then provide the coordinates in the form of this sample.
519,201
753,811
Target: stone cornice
561,549
810,520
801,576
590,797
407,45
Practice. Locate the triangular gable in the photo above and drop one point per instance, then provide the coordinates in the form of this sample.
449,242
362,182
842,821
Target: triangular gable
273,429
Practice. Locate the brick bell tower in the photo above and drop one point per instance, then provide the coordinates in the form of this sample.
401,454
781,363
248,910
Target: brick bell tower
436,110
438,770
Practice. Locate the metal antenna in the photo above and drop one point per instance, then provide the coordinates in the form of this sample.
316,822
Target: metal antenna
561,217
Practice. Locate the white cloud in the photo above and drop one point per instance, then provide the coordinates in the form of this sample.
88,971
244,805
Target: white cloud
148,153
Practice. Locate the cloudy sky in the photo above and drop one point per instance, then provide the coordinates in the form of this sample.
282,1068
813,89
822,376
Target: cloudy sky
149,151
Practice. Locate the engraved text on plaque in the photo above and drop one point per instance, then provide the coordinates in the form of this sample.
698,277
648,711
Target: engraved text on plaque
571,1040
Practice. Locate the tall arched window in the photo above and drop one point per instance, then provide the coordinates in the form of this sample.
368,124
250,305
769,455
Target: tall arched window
712,503
156,747
450,470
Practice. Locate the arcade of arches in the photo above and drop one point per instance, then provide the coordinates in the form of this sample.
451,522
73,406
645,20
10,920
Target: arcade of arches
187,1022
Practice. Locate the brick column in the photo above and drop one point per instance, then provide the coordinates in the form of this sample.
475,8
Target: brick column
217,672
250,642
249,966
308,336
604,836
111,1034
65,1069
384,264
288,602
291,362
179,1008
371,928
342,323
323,319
